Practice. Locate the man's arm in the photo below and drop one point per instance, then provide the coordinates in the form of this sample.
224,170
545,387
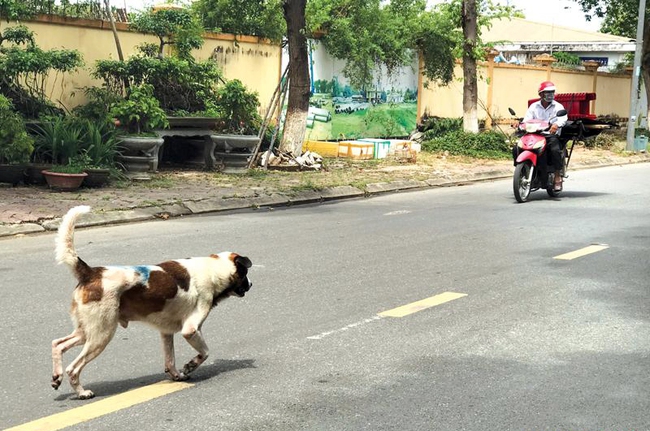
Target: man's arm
530,113
560,121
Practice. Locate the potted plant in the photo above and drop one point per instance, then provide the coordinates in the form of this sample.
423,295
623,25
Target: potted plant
100,152
16,145
138,116
239,123
66,177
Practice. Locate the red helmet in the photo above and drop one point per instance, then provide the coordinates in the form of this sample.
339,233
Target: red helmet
546,86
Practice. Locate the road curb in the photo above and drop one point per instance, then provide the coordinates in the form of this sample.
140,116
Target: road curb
215,205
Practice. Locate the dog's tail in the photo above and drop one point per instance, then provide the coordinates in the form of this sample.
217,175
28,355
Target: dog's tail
65,251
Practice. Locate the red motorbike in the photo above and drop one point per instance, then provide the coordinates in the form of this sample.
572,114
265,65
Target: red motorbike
531,167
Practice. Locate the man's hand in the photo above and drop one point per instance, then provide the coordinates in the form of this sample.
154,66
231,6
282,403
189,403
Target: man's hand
553,129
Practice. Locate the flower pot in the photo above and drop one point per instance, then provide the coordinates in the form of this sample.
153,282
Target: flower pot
97,177
64,182
12,174
235,143
138,148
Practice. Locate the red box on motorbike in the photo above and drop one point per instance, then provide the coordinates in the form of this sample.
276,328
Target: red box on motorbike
576,104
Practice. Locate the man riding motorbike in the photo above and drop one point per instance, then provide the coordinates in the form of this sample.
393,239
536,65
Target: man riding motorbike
546,109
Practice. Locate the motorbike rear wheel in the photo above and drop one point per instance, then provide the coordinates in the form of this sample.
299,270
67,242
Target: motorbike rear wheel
522,181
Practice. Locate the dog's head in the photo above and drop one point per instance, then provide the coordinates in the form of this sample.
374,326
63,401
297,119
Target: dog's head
237,282
240,282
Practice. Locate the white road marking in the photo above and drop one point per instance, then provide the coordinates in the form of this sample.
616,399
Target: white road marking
345,328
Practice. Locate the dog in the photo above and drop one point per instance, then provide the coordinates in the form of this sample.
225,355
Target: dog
173,296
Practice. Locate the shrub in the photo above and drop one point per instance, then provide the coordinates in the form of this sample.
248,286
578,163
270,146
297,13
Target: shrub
25,69
15,144
238,108
179,84
434,127
492,145
140,112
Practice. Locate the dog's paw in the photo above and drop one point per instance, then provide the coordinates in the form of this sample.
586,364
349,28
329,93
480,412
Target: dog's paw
181,377
189,367
86,394
56,381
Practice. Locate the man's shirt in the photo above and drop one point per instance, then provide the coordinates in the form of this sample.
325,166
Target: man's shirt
536,111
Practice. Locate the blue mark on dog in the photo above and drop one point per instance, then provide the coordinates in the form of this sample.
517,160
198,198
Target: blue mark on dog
144,271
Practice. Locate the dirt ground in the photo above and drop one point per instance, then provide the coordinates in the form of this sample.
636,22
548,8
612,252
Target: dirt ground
174,185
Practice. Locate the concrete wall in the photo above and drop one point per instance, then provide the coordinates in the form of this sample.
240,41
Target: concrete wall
253,61
513,85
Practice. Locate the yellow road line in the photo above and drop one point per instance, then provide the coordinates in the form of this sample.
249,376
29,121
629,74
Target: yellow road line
414,307
582,252
102,407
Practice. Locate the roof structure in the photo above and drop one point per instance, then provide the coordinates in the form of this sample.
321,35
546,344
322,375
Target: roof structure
522,30
526,39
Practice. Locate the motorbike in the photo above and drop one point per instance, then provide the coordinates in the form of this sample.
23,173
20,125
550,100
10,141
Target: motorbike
532,171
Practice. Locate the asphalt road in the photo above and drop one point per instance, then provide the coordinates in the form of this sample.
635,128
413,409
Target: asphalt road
531,342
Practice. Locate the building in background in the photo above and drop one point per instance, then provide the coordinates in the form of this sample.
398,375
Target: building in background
519,41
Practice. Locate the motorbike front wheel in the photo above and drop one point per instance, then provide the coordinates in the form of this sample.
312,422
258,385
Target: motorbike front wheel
521,181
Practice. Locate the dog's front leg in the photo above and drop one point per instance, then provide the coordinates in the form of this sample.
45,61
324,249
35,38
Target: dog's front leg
192,333
170,358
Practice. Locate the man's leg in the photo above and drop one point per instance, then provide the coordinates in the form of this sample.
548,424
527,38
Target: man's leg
555,150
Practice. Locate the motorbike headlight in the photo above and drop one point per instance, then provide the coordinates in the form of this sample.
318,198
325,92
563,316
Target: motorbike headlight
538,145
531,127
520,143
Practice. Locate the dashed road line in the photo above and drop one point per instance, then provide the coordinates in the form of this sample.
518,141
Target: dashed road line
423,304
594,248
402,311
345,328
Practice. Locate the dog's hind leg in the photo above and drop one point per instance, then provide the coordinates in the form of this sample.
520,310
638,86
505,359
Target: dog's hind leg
96,342
170,358
59,347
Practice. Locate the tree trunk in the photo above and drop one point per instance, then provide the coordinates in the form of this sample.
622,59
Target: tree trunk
118,46
645,66
470,88
295,123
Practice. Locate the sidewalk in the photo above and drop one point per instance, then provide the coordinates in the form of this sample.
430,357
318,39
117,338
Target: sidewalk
34,209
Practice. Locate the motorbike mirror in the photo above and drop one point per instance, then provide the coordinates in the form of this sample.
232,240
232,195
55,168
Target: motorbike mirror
512,112
560,113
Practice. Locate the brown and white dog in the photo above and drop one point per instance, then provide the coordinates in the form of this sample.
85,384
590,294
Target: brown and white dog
176,295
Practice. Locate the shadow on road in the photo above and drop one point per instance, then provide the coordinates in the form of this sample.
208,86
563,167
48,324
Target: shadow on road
203,373
566,194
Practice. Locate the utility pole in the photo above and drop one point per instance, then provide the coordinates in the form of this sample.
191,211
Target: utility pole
636,72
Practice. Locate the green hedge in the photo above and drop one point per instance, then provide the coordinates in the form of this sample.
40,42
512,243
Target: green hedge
485,145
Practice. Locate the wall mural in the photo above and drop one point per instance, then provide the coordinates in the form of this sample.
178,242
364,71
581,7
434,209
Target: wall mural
339,111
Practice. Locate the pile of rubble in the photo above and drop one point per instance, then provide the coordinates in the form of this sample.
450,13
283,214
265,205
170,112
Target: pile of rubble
308,160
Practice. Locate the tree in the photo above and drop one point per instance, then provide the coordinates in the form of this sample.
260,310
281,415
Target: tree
295,124
261,18
470,87
365,34
177,27
621,18
461,21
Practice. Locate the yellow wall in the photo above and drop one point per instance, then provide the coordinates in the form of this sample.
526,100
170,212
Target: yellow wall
253,61
514,85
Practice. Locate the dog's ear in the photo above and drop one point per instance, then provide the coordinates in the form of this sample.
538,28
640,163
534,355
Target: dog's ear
243,261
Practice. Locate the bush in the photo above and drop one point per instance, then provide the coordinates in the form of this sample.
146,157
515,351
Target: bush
486,145
435,127
25,69
15,145
238,108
